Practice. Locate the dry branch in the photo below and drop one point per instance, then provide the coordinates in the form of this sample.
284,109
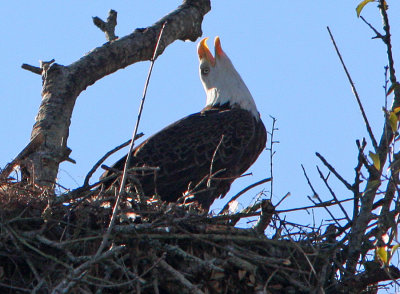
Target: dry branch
63,84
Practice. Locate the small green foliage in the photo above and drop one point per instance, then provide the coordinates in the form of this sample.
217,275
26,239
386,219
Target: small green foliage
361,6
382,254
375,160
393,121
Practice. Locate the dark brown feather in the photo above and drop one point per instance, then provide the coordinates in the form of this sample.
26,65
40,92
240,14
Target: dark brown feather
184,152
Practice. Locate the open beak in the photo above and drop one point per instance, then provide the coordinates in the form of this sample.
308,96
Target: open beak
204,52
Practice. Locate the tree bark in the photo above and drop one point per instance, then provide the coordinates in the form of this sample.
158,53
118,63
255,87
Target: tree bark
63,84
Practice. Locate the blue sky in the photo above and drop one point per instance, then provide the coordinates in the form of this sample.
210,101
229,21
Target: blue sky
281,49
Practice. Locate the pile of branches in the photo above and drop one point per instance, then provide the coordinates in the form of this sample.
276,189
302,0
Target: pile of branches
65,244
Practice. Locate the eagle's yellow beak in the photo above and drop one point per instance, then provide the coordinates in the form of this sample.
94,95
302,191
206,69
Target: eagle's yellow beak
218,48
204,51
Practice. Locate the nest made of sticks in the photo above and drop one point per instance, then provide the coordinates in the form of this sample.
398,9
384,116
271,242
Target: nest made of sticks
64,244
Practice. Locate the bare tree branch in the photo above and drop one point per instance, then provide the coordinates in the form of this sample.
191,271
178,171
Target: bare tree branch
63,84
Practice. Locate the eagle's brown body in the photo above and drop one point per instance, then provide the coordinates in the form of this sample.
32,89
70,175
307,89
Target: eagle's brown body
205,152
188,152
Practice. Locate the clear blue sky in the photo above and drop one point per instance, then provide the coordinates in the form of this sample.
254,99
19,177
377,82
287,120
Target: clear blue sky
281,49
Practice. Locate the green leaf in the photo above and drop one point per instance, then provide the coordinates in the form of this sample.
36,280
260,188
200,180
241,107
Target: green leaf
393,121
375,160
361,6
382,254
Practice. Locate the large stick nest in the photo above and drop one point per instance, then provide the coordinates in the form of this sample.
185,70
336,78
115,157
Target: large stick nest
51,244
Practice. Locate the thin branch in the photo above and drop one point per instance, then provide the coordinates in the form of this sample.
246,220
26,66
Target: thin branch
288,194
210,177
386,27
378,34
128,158
271,154
317,205
317,196
333,195
78,273
177,251
357,181
332,170
14,287
176,275
108,154
226,207
371,135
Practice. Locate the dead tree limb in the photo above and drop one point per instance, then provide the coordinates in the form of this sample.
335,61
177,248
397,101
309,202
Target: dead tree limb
63,84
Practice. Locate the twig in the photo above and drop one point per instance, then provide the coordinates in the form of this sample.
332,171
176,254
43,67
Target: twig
317,196
226,207
333,195
179,277
317,205
15,287
176,250
271,154
387,41
360,162
283,198
378,34
155,264
332,170
77,274
128,158
98,163
108,27
210,176
369,130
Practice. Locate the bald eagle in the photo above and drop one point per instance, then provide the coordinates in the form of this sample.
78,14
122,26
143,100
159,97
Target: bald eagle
203,153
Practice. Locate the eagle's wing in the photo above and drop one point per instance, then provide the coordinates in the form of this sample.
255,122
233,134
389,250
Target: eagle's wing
197,146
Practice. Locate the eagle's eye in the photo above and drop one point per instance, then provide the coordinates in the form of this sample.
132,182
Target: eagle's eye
205,70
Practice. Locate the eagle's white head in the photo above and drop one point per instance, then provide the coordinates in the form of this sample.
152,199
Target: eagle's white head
221,81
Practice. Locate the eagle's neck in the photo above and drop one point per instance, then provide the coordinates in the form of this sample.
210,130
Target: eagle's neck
229,89
231,100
